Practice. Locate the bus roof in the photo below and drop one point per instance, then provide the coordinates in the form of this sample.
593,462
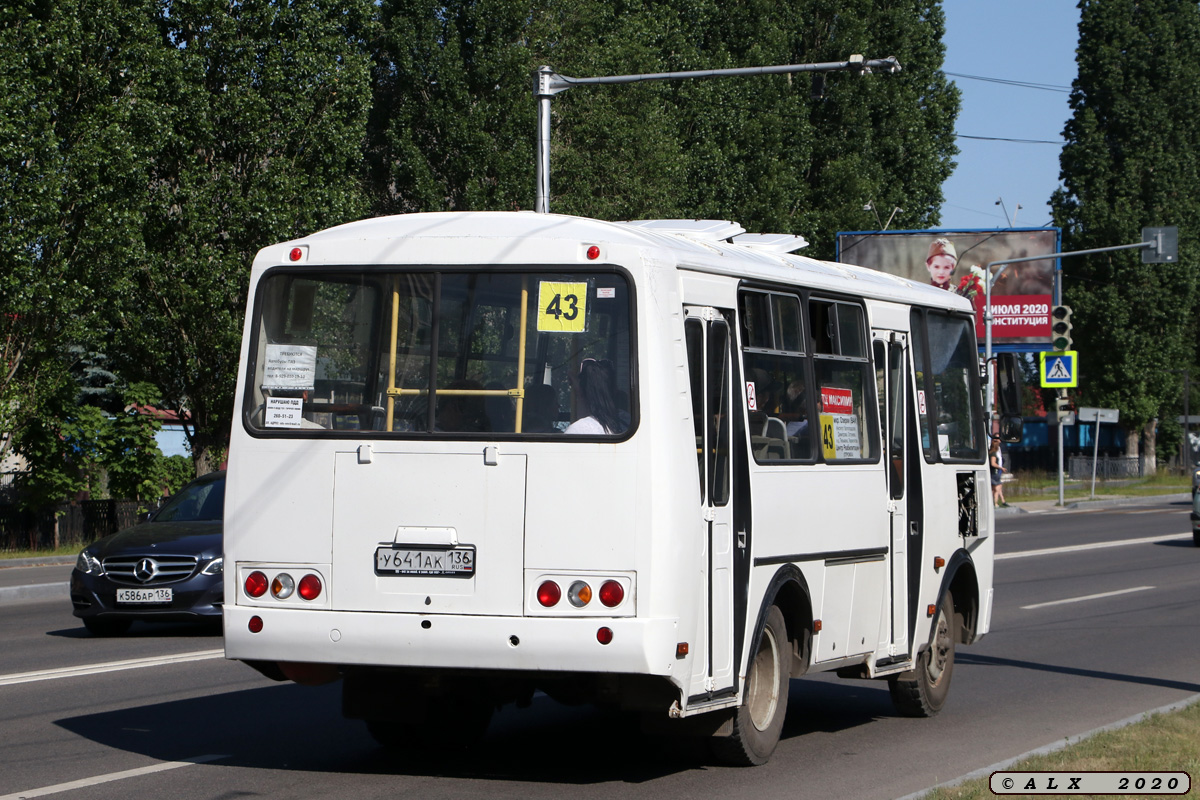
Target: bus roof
712,246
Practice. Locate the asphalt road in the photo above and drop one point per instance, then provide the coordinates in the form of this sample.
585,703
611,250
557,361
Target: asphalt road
1081,638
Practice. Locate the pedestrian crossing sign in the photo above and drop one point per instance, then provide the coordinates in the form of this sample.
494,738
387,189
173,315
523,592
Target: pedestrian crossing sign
1059,369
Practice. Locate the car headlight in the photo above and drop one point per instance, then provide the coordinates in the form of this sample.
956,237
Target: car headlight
87,563
213,567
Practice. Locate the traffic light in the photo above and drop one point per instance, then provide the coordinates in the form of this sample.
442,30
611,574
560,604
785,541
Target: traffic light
1062,406
1060,327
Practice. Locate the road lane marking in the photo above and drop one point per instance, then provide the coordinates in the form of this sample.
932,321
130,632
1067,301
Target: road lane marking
1094,546
1087,597
111,666
83,783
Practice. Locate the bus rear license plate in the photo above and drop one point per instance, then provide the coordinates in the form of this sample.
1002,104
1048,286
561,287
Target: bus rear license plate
144,595
425,560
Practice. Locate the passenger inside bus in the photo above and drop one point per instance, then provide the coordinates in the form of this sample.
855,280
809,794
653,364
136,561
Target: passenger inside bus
595,399
461,412
541,410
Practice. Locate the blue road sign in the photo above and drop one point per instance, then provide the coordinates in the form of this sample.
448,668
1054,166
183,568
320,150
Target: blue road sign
1059,369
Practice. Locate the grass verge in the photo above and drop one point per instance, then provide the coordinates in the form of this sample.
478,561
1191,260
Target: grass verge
1160,743
45,552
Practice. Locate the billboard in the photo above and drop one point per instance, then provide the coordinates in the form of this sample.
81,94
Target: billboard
954,260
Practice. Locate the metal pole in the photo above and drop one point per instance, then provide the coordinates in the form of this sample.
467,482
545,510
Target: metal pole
548,83
1095,454
1060,463
1187,434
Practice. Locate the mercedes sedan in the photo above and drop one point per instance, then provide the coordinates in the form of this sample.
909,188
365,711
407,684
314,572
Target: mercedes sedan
166,569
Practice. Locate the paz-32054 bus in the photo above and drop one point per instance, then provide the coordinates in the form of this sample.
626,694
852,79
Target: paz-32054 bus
666,465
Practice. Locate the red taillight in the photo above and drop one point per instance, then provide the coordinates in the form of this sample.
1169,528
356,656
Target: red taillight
611,593
296,254
549,594
604,635
310,587
256,624
593,253
256,584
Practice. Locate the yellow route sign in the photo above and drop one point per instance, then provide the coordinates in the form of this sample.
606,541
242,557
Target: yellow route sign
562,307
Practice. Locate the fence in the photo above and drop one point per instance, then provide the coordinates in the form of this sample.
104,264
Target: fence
77,523
1080,467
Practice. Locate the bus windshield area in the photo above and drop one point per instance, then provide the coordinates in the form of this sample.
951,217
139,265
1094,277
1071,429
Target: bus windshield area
948,394
467,353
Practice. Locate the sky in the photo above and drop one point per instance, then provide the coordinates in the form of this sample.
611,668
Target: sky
1028,41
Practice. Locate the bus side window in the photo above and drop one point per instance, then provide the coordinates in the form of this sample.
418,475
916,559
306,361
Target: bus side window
848,422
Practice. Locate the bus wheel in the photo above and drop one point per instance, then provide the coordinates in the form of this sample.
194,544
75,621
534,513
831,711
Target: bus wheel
922,692
758,721
1196,536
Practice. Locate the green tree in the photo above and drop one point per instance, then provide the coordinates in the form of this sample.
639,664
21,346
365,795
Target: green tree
263,140
454,119
71,180
1132,159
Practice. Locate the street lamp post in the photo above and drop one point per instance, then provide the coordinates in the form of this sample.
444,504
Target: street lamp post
548,83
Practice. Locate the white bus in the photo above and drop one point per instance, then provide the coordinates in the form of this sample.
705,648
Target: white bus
666,465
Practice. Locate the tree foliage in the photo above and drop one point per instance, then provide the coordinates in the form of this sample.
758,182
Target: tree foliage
148,148
453,121
1132,159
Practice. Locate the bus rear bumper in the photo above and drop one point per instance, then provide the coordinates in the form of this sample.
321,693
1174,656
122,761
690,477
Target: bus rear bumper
537,644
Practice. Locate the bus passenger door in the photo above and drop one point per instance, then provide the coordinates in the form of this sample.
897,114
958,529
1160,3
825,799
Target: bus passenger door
708,340
891,375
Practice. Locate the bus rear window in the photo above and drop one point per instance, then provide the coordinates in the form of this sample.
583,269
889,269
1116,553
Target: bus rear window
459,353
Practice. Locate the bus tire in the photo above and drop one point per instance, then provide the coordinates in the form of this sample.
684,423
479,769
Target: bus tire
1196,537
758,721
923,692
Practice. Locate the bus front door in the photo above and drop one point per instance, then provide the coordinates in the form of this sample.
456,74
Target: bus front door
709,364
891,374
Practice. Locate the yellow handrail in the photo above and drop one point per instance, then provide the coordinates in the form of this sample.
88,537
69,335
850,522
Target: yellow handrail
394,391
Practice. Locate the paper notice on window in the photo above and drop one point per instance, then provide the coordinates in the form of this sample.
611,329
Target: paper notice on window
839,424
290,367
283,412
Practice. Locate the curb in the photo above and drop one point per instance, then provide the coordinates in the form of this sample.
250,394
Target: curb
35,592
45,561
1087,505
1054,747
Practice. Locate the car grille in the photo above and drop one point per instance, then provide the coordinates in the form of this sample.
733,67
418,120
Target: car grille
160,569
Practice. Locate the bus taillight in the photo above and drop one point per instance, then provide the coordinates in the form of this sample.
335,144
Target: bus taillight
548,594
611,594
310,587
580,594
256,584
283,586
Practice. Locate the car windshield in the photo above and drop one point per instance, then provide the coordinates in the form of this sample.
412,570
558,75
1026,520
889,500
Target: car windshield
201,501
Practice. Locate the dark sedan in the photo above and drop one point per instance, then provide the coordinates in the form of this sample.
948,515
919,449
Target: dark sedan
165,569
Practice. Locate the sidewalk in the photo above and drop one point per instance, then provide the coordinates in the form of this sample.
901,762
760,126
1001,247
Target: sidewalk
14,587
1050,504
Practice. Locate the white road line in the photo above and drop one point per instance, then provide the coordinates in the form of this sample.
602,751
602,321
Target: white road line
1077,599
1095,546
83,783
111,666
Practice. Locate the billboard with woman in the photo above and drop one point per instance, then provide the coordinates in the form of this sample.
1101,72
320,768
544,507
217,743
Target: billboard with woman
955,260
